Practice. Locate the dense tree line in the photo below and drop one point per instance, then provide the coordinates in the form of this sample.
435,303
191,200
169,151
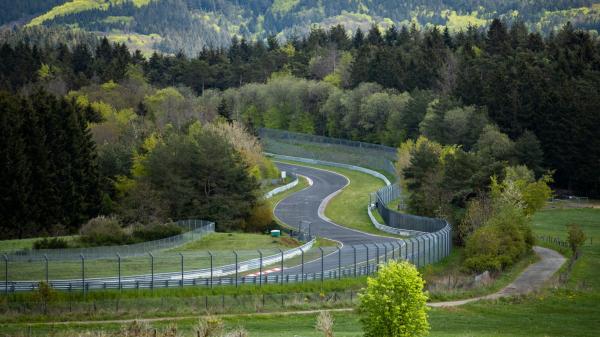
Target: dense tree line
49,175
190,25
524,83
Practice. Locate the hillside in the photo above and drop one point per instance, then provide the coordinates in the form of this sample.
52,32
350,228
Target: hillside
189,25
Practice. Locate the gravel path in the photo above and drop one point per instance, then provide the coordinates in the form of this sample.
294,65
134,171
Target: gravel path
532,278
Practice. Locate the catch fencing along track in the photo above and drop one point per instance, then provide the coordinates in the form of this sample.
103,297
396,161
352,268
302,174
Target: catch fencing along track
358,253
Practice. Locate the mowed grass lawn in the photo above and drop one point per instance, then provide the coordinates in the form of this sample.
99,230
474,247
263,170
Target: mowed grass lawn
349,207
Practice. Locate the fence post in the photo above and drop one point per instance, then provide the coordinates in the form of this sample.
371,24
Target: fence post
412,253
377,253
281,271
6,274
322,265
418,251
119,269
211,267
236,268
82,274
339,262
367,259
302,268
181,256
354,249
405,250
46,260
151,270
260,265
385,252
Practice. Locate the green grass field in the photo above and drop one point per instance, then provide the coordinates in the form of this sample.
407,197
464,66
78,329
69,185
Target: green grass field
241,241
569,310
19,244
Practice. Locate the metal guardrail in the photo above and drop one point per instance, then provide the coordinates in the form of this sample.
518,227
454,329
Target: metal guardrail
283,188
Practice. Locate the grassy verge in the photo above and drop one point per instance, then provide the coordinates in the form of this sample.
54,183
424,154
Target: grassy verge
349,207
241,241
19,244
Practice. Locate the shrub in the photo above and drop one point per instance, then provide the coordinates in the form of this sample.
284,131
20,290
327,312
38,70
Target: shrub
393,304
325,324
156,231
103,231
50,243
576,238
504,239
260,219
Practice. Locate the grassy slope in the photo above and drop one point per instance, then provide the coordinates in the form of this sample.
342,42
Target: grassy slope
76,6
18,244
242,241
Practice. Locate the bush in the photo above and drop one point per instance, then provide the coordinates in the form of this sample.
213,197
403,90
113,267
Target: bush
393,303
260,219
103,231
576,238
50,243
504,239
156,231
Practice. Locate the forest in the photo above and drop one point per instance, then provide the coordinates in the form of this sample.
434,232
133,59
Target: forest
495,98
190,25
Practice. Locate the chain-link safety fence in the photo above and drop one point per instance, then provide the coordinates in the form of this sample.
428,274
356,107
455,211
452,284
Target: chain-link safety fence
335,150
177,267
194,230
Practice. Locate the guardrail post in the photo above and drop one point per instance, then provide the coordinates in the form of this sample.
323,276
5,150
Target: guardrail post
211,268
281,271
46,261
354,249
6,274
322,265
260,265
119,269
82,274
151,270
302,268
181,257
339,262
236,268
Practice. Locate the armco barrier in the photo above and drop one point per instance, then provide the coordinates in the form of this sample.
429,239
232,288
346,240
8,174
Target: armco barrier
283,188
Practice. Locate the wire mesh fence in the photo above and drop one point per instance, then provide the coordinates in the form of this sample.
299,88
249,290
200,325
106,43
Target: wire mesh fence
395,219
194,230
171,267
287,143
300,265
